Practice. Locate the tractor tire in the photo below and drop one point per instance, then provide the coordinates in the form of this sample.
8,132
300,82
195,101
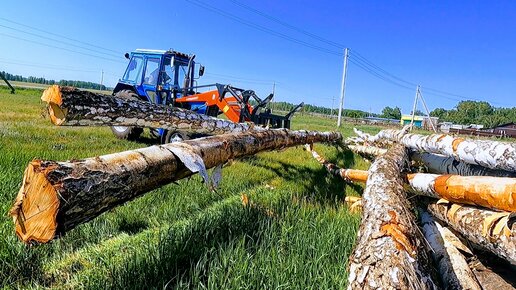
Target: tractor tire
122,132
174,136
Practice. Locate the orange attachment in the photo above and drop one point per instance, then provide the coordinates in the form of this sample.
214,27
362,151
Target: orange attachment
229,105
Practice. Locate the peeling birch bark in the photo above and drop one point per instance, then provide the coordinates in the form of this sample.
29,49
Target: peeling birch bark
486,153
73,107
453,268
389,250
497,193
490,230
367,150
55,197
346,174
439,164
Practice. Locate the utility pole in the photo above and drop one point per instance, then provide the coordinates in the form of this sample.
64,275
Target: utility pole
273,95
343,85
427,111
332,106
101,79
414,108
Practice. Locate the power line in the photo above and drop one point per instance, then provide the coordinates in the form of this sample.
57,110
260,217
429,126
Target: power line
61,42
59,35
47,66
256,11
261,28
61,48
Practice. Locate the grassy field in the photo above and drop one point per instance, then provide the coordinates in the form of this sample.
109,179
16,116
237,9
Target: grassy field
294,232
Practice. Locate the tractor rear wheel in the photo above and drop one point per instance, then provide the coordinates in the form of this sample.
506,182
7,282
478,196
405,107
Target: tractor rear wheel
122,132
174,136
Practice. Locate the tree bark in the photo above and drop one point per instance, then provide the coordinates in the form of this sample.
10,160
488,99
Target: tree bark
440,164
73,107
346,174
497,193
453,268
490,230
389,250
55,197
367,150
486,153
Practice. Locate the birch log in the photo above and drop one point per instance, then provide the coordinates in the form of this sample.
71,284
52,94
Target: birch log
439,164
346,174
497,193
491,230
389,249
367,150
73,107
453,268
486,153
55,197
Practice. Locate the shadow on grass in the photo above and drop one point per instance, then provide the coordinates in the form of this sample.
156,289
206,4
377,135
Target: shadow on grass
323,187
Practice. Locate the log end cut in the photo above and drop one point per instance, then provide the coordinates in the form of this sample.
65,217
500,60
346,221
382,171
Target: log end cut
35,209
52,96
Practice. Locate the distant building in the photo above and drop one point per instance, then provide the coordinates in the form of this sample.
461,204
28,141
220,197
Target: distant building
406,119
508,129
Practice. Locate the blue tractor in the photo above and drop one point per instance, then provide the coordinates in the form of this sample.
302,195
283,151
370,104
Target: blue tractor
169,77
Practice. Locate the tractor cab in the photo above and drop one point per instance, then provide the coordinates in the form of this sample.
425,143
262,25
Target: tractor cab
158,76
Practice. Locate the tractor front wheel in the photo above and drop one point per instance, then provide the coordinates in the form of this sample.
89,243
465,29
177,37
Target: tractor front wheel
122,132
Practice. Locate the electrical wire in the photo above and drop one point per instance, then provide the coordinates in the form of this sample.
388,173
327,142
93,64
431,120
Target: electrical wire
59,35
261,28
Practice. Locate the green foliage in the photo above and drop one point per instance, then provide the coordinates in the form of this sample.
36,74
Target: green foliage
473,112
391,113
287,107
40,80
298,232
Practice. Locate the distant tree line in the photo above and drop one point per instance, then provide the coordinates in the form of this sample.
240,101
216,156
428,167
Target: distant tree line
40,80
285,106
475,112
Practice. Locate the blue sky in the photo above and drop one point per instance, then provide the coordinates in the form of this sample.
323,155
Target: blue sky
462,47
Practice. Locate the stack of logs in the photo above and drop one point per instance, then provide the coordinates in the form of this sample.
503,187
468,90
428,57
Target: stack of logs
465,202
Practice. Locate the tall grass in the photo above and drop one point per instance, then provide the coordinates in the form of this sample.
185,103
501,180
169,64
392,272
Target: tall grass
183,236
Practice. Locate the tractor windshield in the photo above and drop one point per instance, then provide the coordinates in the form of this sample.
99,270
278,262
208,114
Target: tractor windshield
134,70
175,72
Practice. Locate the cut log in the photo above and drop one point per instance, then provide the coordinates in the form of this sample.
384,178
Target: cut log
453,268
389,250
439,164
486,153
55,197
73,107
346,174
490,230
367,150
491,192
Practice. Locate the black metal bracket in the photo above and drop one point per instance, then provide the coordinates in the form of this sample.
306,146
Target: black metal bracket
7,82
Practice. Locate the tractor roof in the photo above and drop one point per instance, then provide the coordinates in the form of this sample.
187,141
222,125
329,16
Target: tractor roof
161,52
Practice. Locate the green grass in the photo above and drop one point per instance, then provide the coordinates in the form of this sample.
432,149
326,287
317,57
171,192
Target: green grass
297,233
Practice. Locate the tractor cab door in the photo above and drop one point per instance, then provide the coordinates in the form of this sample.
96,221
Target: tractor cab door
151,79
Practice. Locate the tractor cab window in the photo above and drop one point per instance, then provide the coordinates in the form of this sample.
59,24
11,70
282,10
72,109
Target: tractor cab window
134,70
152,71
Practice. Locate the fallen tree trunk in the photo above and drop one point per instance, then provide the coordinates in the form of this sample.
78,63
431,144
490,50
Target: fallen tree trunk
490,154
491,192
73,107
490,230
389,249
453,268
55,197
346,174
440,164
367,150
